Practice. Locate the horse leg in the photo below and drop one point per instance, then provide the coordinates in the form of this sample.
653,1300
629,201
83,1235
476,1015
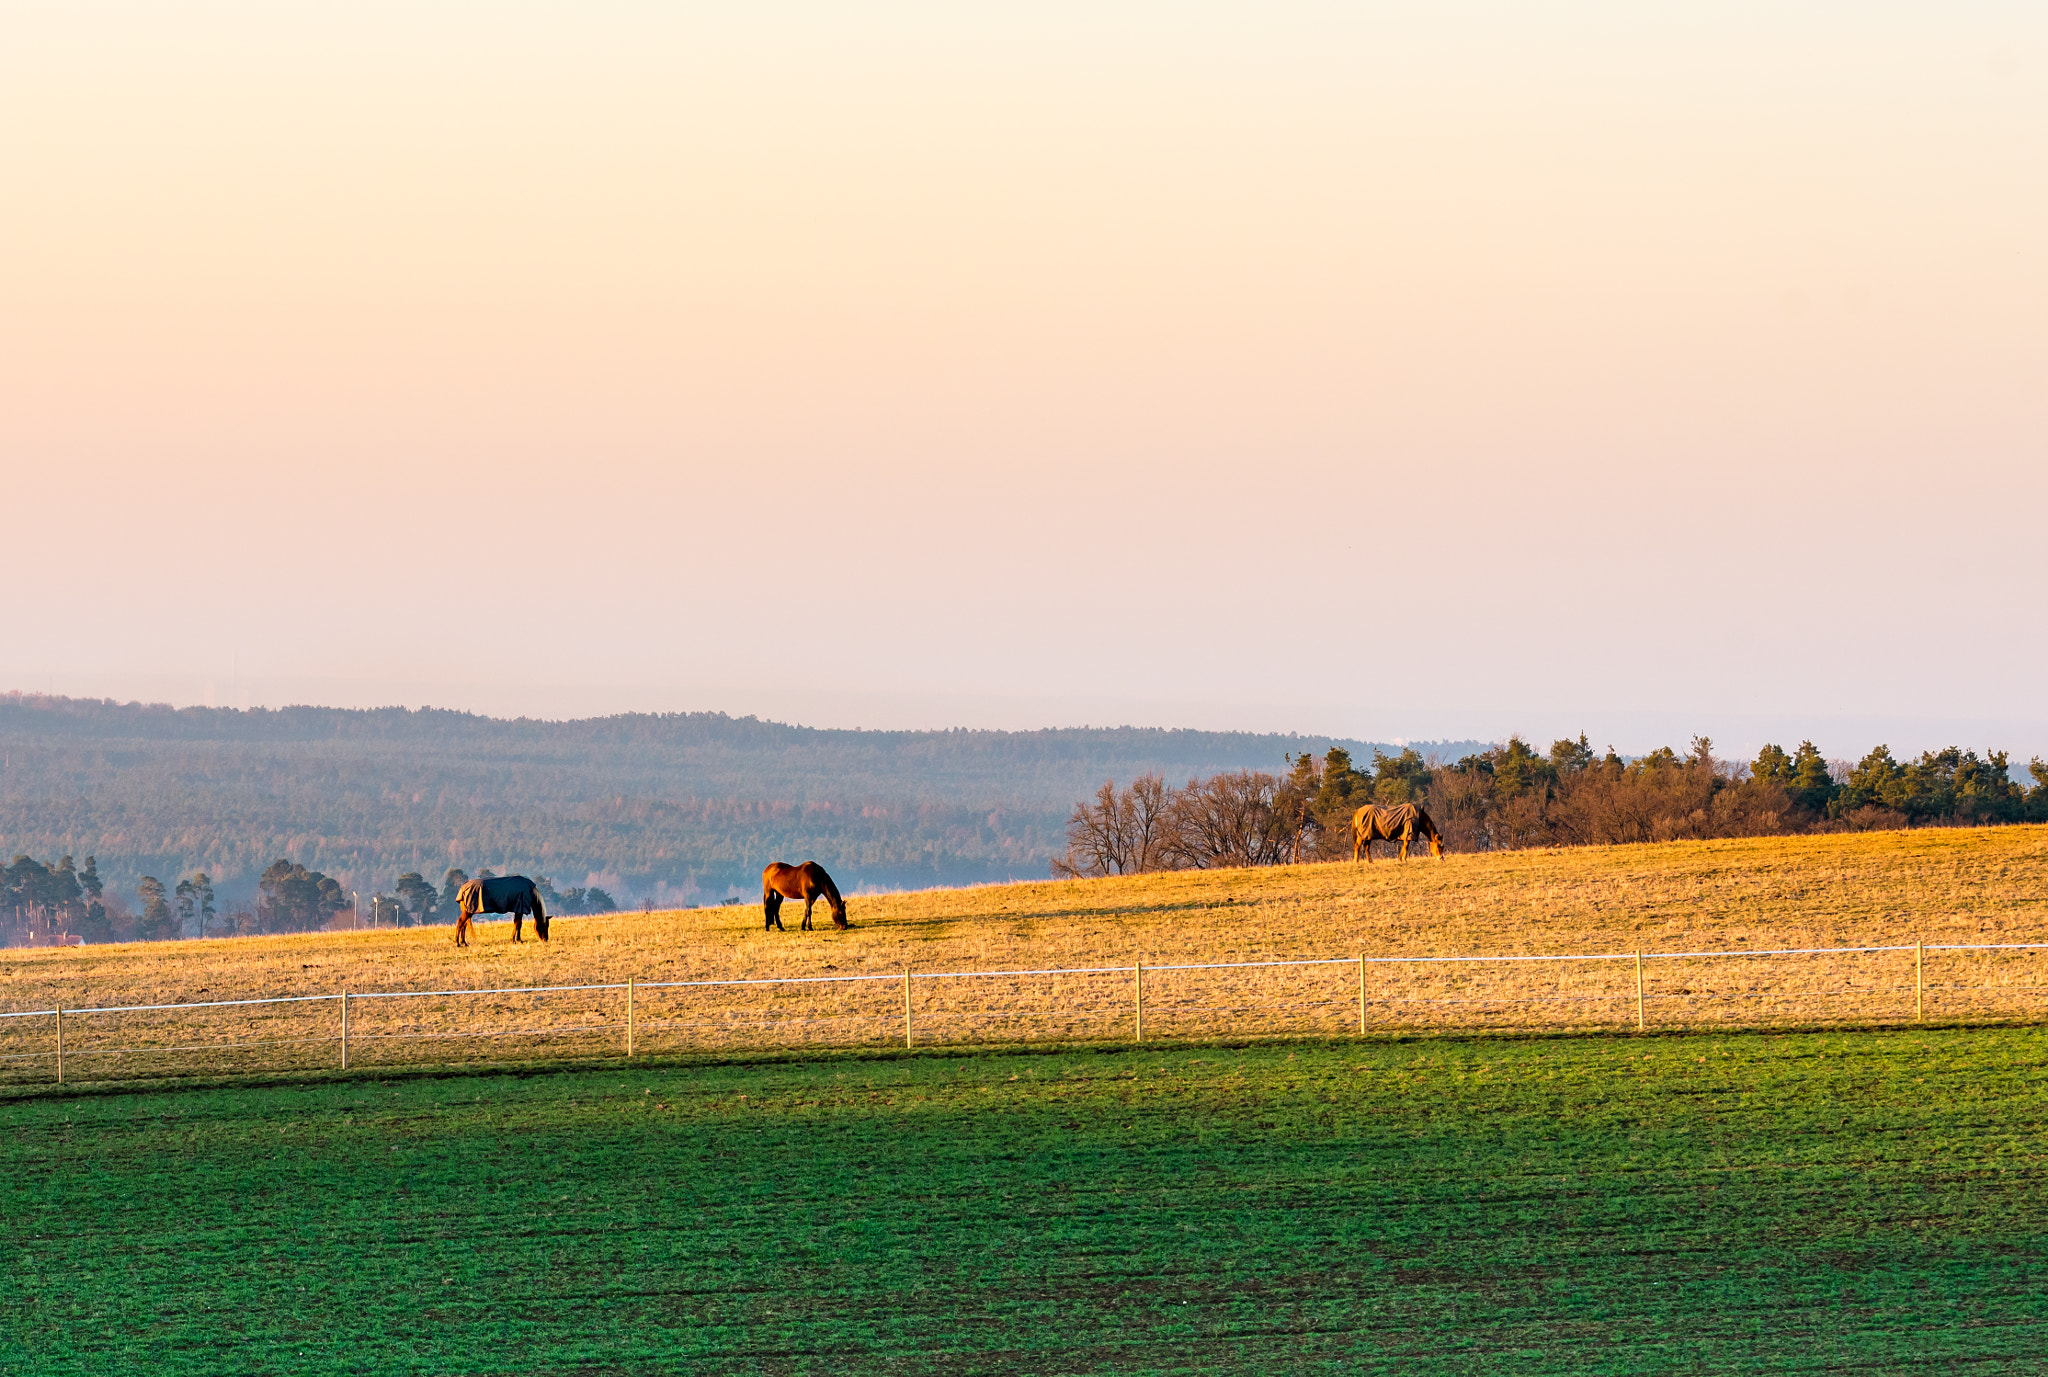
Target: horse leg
771,905
809,900
462,929
517,920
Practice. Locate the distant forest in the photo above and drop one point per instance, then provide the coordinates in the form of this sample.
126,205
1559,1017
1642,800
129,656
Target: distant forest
1512,796
669,808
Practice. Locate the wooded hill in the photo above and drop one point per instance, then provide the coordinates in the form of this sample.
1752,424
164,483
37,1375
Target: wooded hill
674,807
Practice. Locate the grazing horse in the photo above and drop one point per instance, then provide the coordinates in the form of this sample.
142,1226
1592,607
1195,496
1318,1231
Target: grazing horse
807,882
513,894
1399,823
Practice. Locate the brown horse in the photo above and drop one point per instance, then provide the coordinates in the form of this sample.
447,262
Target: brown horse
1399,823
807,882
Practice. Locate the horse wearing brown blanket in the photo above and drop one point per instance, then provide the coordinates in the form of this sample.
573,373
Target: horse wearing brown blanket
1399,823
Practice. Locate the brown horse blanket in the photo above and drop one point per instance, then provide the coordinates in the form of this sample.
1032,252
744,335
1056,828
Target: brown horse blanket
500,894
1374,823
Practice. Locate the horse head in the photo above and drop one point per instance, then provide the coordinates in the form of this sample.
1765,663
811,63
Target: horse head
1428,825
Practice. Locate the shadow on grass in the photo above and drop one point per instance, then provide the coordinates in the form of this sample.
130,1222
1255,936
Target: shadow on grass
835,1056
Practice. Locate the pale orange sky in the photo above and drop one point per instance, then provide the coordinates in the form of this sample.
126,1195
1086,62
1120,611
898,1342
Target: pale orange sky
1058,364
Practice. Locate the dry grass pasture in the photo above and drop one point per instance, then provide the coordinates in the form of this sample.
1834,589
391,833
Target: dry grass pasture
1932,886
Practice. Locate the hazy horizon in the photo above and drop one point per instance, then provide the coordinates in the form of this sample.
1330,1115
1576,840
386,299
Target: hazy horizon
1392,371
1736,737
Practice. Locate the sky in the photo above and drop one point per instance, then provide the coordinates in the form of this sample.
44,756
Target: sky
1400,371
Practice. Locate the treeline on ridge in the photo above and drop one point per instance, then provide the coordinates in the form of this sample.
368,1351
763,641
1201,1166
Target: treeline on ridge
40,903
675,809
1513,796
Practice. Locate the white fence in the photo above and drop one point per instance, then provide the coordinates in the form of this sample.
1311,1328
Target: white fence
1809,986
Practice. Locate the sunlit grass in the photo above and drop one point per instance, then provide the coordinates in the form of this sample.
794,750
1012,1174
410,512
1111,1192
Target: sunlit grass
1961,885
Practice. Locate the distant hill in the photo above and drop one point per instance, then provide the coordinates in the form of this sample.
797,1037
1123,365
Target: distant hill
675,807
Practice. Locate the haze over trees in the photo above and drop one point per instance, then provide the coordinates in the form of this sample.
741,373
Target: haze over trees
675,808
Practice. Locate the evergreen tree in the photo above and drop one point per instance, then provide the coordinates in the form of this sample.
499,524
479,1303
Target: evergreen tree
1519,770
1803,775
95,928
296,899
158,923
1568,757
1984,791
1402,778
416,896
451,886
1875,779
1812,785
195,903
1294,805
1773,765
1343,790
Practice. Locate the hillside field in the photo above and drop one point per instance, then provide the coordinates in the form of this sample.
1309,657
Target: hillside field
1985,885
1561,1196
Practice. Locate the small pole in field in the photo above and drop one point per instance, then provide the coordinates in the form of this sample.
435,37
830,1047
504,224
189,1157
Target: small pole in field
1361,994
906,1008
1639,991
629,1016
1918,966
60,1046
1138,993
344,1030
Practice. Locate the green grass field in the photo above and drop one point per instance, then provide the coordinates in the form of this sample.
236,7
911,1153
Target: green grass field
1749,1202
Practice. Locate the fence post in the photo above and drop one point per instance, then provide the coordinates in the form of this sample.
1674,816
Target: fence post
629,1016
60,1045
1361,994
1918,949
1639,990
344,1030
1138,993
906,1006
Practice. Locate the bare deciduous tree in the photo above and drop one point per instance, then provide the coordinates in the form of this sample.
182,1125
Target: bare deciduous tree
1229,821
1120,833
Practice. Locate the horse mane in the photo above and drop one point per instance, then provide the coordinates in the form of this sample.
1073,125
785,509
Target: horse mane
824,882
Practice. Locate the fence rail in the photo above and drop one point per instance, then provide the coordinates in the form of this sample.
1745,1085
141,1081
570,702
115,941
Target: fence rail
1847,986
